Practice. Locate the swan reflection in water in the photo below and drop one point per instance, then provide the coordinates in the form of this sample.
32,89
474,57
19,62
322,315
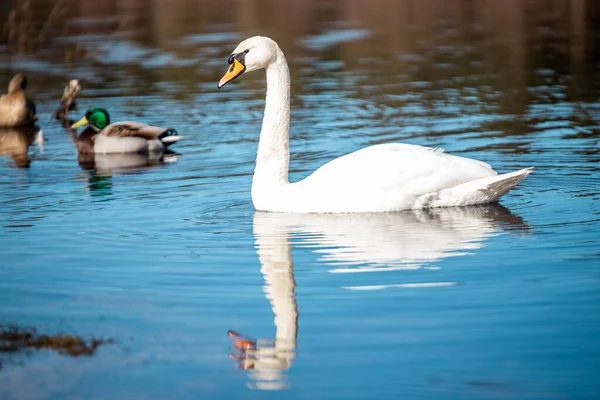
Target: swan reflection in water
352,243
15,143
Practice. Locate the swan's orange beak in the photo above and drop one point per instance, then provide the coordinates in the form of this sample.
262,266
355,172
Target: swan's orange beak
235,69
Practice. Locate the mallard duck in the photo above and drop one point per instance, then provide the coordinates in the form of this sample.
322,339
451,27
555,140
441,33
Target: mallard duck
120,137
15,108
67,102
380,178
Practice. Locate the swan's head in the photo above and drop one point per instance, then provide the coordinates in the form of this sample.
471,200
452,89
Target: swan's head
253,53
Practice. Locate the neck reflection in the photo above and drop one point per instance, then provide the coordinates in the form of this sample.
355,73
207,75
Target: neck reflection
267,360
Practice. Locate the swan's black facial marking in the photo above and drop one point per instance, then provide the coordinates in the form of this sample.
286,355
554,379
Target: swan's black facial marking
241,57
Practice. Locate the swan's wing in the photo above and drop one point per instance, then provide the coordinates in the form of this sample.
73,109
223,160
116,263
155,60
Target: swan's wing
410,168
133,129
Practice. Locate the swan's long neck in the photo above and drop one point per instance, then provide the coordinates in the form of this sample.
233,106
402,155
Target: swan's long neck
273,157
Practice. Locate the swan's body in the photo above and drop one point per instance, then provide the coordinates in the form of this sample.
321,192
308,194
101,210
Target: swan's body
386,177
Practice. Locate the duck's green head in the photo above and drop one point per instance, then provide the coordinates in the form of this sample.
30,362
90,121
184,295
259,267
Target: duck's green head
96,117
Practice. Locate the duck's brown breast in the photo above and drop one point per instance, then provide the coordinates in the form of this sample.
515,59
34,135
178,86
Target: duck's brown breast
85,140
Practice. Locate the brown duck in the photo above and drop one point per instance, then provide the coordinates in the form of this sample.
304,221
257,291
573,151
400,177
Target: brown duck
15,108
67,102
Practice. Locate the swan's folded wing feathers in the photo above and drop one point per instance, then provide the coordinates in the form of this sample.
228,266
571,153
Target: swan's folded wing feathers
409,168
133,129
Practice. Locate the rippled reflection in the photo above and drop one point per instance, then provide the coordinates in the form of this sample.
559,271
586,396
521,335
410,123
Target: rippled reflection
102,168
135,248
353,243
268,359
15,143
395,241
107,164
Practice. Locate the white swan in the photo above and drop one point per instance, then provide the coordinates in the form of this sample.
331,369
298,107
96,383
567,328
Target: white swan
385,177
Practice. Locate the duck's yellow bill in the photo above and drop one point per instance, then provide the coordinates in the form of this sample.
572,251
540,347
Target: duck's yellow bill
235,70
82,122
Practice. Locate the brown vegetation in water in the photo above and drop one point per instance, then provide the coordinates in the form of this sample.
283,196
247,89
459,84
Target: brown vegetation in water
15,339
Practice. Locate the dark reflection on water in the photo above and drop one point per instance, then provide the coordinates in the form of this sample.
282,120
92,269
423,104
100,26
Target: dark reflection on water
161,252
15,143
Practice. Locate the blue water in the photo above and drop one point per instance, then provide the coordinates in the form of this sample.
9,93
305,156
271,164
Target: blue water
166,255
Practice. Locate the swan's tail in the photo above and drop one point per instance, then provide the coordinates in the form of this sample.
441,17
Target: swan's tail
169,136
499,185
479,191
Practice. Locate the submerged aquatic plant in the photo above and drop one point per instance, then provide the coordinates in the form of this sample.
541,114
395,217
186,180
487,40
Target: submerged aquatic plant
15,339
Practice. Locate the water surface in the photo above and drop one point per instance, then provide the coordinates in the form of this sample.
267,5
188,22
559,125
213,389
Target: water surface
166,254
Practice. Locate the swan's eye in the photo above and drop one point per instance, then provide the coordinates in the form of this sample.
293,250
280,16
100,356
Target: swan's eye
239,56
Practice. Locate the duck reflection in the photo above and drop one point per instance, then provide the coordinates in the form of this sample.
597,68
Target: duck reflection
15,142
102,167
352,243
108,164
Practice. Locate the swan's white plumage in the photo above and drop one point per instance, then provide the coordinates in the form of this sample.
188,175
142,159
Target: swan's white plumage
385,177
416,169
